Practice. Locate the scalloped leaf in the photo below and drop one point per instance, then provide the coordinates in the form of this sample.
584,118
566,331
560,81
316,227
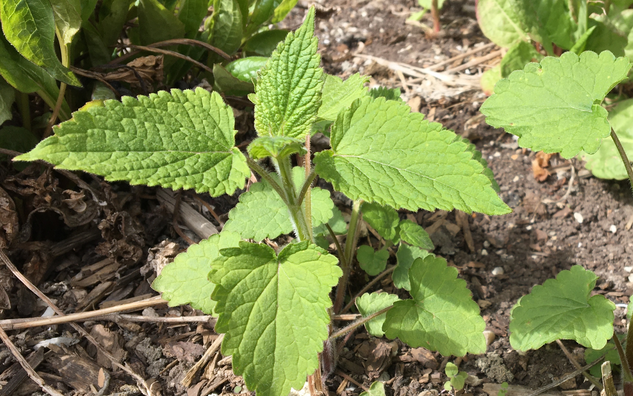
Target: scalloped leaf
273,310
370,303
375,389
554,106
288,91
442,316
406,255
261,213
275,146
382,152
186,279
606,163
412,233
383,219
371,261
564,309
182,139
336,222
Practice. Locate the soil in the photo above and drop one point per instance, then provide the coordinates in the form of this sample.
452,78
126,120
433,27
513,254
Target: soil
567,218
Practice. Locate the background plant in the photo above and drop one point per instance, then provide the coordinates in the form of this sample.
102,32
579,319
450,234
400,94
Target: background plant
273,306
567,93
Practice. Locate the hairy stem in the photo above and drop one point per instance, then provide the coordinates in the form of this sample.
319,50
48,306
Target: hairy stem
358,323
339,249
625,159
350,245
308,191
255,167
297,214
306,186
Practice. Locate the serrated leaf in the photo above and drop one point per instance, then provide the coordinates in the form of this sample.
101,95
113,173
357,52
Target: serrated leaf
182,139
554,106
387,93
441,316
382,152
191,13
339,95
383,219
29,25
415,235
375,389
157,23
186,279
275,146
606,163
371,261
288,92
370,303
562,308
261,213
7,97
405,256
273,310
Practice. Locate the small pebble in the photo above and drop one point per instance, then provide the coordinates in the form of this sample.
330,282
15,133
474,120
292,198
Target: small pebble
490,336
613,229
484,252
496,271
631,278
628,269
486,244
578,217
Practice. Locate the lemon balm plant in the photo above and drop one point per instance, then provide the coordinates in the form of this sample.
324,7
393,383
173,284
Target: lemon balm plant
274,307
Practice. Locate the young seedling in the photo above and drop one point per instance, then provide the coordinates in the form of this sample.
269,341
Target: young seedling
274,306
556,106
457,379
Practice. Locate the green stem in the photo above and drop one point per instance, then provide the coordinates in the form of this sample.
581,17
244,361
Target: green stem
358,323
24,108
264,175
306,186
346,261
627,376
625,159
629,348
297,215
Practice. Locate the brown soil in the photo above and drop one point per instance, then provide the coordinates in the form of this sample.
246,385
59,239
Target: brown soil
512,253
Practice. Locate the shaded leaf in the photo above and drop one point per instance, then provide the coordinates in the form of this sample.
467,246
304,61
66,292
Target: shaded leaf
441,316
339,95
383,219
370,303
415,235
406,255
7,97
275,146
157,23
185,280
564,309
246,69
264,43
372,262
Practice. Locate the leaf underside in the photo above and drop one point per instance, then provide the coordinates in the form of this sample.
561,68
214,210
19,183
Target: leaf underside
273,311
441,316
182,139
382,152
185,280
562,308
554,106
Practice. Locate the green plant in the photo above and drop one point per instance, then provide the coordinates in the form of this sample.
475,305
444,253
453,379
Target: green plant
553,26
457,379
435,6
274,306
557,106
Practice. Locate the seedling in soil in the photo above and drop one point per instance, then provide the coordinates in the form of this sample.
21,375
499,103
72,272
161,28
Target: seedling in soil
273,305
457,379
556,106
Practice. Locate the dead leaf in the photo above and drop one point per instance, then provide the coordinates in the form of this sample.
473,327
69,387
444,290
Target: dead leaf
111,341
184,351
421,355
9,222
123,238
539,164
145,69
159,256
